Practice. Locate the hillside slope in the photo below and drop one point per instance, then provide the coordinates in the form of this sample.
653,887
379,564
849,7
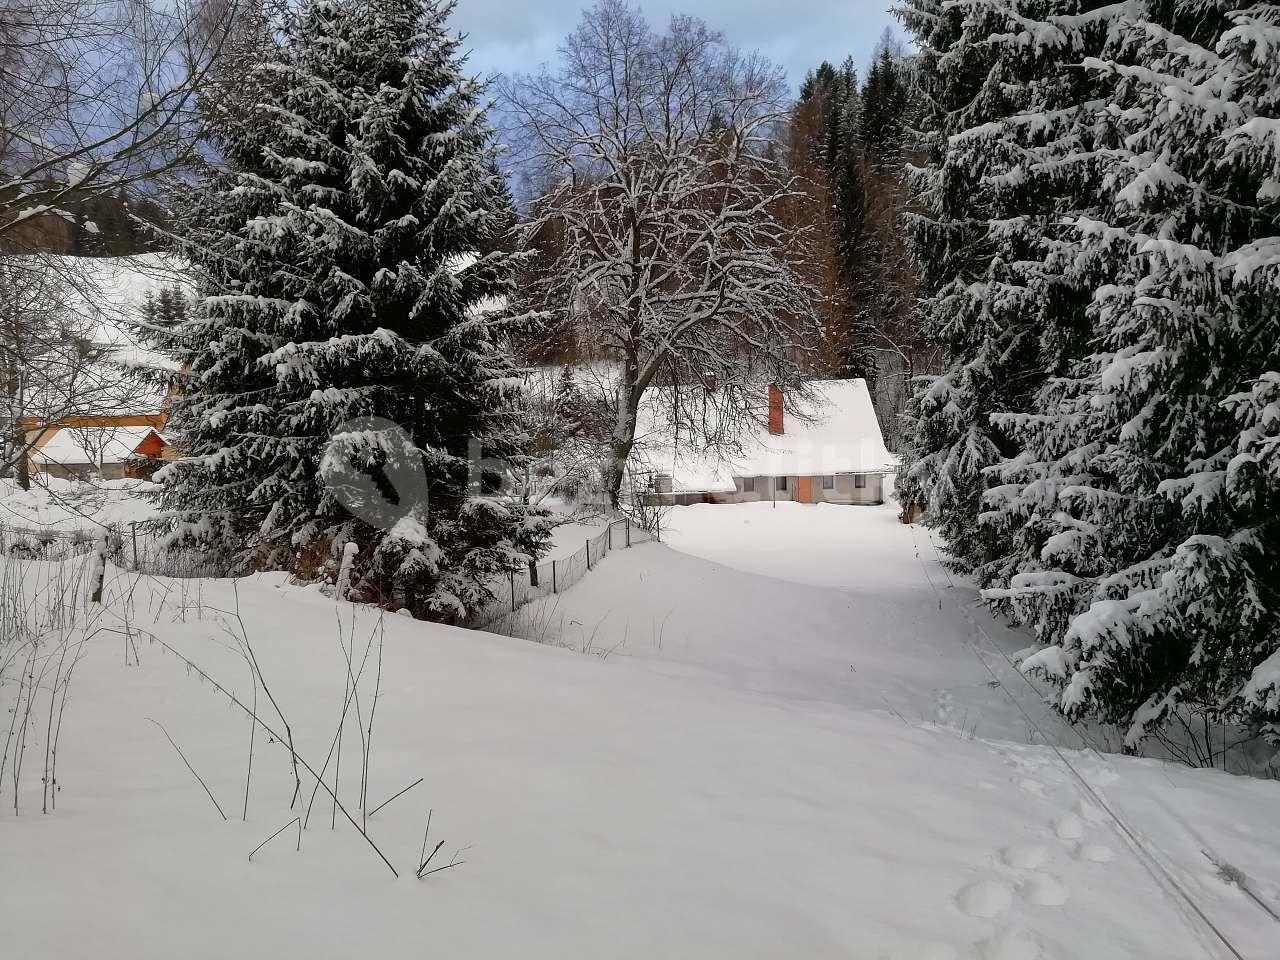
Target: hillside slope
609,805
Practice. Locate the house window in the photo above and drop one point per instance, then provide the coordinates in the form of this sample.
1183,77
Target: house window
859,480
781,483
748,484
828,483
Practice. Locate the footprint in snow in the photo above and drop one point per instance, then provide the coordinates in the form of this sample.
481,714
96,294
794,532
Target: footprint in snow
1091,812
1069,827
1026,857
938,951
1094,853
944,705
1044,889
985,899
1033,787
1010,945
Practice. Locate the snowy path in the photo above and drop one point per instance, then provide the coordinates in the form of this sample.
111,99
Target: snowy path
777,599
843,605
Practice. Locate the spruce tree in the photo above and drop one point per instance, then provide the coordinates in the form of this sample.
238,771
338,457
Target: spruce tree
985,222
1147,552
861,143
838,149
882,123
345,340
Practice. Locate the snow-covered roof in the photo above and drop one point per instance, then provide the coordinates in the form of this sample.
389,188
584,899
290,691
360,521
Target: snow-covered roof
120,286
107,295
840,435
67,446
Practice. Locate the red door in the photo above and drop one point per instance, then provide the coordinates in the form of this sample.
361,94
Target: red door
804,489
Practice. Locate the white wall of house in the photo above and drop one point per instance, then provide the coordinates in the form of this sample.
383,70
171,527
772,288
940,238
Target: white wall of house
864,488
843,488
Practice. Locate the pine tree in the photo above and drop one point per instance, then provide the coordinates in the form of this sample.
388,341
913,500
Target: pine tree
1147,552
861,141
345,339
150,309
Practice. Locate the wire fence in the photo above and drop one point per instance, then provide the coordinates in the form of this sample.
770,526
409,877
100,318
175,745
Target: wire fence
558,575
139,547
143,547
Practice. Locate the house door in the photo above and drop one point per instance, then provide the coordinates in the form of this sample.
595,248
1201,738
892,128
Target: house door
804,489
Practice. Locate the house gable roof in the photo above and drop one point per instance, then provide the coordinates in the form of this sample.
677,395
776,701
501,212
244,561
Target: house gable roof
118,444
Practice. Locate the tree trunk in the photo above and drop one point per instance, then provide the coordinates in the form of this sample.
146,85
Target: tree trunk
619,450
21,468
624,434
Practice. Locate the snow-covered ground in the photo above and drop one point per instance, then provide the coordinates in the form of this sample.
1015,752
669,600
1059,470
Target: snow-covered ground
809,602
60,505
570,536
773,755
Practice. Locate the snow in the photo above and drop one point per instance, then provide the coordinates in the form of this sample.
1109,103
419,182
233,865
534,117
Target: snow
570,536
115,444
839,435
115,289
62,505
797,600
106,295
734,786
1263,687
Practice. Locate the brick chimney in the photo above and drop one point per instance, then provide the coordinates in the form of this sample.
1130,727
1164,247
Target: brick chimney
775,409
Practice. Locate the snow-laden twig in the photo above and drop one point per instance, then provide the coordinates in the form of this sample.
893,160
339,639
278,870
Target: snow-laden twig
294,755
394,796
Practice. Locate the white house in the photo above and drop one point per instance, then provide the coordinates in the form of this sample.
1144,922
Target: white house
835,454
106,452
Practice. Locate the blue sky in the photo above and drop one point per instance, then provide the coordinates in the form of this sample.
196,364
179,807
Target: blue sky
506,35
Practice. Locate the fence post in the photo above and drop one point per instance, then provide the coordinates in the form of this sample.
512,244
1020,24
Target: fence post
553,577
513,591
98,572
628,531
610,529
588,553
533,573
133,531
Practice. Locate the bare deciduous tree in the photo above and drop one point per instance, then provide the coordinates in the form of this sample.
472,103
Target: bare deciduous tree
56,364
667,192
97,96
